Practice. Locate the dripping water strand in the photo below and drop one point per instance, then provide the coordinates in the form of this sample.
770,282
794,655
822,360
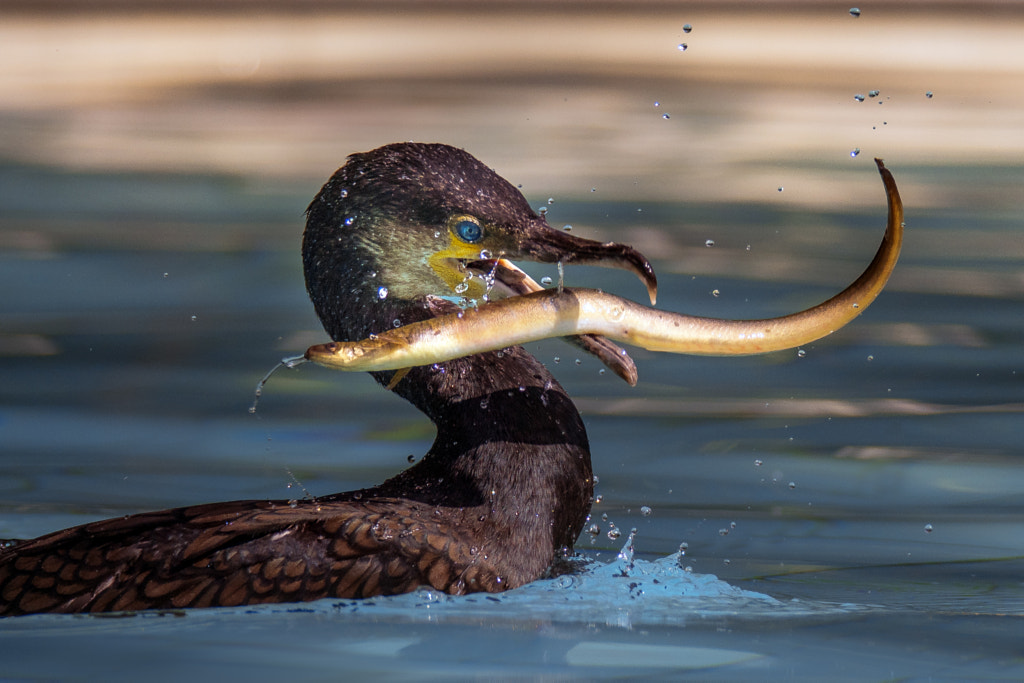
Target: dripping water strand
306,495
290,362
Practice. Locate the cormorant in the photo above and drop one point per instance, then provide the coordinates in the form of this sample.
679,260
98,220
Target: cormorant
400,237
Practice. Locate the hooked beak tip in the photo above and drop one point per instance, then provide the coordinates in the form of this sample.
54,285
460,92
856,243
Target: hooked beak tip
651,281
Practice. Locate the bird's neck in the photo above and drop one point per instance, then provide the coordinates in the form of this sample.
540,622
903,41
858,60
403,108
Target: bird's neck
509,440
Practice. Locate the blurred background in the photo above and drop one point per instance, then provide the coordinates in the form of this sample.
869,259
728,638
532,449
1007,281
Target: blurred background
156,160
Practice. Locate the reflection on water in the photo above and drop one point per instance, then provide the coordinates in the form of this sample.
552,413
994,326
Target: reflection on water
150,217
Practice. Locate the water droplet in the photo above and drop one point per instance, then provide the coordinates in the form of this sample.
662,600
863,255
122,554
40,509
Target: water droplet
780,188
800,353
872,93
350,220
723,532
593,189
614,533
855,11
645,511
870,358
928,528
666,117
683,547
601,371
687,28
709,243
567,227
579,362
484,403
792,484
382,293
166,274
194,318
598,498
411,458
293,503
461,287
343,193
542,210
546,281
758,463
855,151
929,94
594,530
715,293
682,47
557,359
858,97
551,200
856,305
485,255
657,104
396,323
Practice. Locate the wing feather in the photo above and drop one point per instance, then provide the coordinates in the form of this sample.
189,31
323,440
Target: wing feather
239,553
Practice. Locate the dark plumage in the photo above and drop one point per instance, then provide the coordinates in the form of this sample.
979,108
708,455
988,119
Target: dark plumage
505,487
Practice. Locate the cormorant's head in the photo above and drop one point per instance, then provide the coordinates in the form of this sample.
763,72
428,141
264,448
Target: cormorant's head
409,221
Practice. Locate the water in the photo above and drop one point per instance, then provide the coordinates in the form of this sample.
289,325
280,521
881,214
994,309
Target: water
148,287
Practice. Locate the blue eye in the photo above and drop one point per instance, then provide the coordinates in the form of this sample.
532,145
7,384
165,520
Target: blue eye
469,231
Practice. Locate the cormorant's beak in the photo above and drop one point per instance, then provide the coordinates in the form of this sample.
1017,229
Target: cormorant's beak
540,242
459,262
537,241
